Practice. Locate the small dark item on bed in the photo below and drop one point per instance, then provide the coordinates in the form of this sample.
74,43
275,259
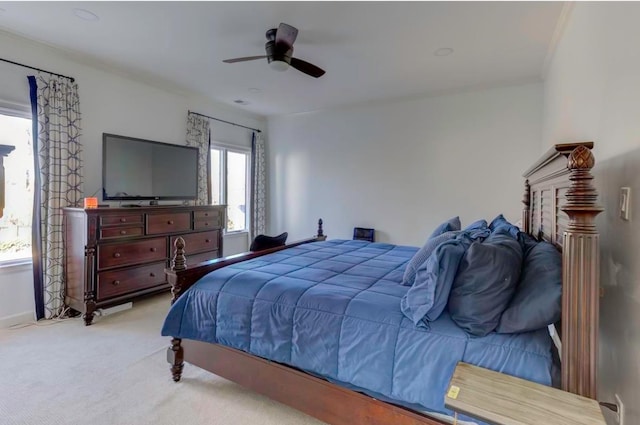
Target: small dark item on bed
262,242
362,234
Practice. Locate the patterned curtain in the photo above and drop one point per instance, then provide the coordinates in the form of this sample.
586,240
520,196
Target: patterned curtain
198,135
59,183
258,186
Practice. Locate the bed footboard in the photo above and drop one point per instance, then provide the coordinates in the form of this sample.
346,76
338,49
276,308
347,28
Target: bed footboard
182,278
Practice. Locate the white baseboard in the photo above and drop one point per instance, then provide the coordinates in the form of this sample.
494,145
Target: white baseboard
17,319
116,309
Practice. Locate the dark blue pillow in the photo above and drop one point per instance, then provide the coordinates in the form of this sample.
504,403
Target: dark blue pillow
421,256
448,226
501,223
538,298
485,283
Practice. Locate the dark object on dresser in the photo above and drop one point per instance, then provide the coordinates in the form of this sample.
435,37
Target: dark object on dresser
363,234
262,242
113,255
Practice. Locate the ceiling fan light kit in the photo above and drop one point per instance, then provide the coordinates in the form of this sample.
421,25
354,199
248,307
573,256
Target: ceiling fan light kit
279,52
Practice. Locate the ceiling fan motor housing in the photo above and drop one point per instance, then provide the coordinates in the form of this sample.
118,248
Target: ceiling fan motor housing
277,52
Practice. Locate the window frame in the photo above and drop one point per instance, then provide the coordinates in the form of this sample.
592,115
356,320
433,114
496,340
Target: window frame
224,148
17,110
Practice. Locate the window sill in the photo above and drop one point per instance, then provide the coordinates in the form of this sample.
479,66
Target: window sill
20,263
236,233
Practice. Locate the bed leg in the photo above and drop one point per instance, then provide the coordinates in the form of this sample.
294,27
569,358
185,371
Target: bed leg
175,357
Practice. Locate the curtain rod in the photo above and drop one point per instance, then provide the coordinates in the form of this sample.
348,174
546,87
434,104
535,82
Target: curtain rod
37,69
227,122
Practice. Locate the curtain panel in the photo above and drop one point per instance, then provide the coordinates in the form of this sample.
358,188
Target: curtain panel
258,186
58,168
198,135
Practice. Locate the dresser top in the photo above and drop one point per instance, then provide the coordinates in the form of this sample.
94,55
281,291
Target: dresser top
145,208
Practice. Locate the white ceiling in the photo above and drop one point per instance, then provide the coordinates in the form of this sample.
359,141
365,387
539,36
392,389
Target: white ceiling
370,50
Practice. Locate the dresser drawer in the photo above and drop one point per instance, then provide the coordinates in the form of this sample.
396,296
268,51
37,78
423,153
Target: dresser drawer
198,242
209,214
129,253
168,223
118,282
121,219
194,259
210,223
120,232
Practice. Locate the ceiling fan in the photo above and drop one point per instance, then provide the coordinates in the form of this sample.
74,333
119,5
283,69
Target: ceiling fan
279,49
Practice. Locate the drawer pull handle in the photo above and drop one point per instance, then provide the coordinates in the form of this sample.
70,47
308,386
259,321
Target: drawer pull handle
154,249
116,255
170,222
123,232
206,214
152,275
116,282
207,240
206,223
123,220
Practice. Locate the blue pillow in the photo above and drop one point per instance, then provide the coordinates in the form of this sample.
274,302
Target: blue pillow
448,226
501,224
480,224
486,281
538,298
421,256
428,296
423,302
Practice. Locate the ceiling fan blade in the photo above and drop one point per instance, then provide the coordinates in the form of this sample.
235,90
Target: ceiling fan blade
248,58
286,34
306,67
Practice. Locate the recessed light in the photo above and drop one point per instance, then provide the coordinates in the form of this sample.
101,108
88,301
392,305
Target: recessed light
443,51
85,14
254,90
241,102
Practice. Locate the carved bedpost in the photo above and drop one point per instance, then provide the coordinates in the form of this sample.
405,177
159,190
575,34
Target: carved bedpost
320,236
526,211
175,352
581,277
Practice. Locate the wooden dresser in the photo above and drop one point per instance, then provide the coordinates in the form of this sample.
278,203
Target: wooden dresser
113,255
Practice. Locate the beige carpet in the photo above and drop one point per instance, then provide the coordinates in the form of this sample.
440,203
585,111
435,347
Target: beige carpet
115,372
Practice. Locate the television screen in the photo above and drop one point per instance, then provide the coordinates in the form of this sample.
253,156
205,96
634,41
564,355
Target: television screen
135,169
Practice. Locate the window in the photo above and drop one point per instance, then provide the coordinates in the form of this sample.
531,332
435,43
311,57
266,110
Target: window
15,224
230,184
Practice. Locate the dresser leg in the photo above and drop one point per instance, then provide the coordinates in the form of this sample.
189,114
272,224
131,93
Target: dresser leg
90,308
175,357
88,318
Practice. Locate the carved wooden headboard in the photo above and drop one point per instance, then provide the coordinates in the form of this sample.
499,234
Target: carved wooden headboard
560,206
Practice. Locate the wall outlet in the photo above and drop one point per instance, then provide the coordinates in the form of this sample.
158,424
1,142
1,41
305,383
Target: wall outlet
625,203
620,414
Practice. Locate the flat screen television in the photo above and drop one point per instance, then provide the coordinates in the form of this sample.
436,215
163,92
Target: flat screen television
137,169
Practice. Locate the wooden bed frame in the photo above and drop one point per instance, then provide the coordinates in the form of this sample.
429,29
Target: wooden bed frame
559,206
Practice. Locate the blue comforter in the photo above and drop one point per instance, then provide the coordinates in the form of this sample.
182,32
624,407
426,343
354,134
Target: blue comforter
333,309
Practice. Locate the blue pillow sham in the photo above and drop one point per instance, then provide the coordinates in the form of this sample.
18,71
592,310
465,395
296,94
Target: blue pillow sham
422,255
485,282
427,298
448,226
501,223
538,298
